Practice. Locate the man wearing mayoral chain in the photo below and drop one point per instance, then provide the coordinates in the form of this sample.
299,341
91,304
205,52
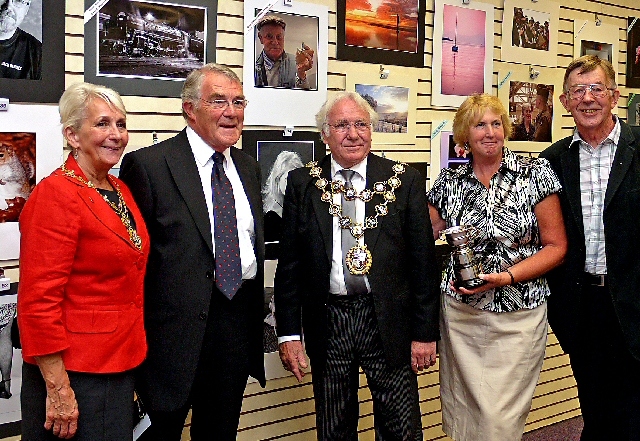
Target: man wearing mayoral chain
357,275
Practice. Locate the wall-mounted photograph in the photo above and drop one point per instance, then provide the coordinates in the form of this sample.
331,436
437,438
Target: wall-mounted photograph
285,63
633,110
385,31
286,47
148,47
145,39
531,111
530,32
533,102
30,149
390,103
394,98
591,38
462,52
31,50
633,52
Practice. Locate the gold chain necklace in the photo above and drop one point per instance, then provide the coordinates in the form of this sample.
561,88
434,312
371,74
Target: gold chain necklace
120,209
359,257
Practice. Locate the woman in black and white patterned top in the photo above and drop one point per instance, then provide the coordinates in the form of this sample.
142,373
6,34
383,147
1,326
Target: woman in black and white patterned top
494,336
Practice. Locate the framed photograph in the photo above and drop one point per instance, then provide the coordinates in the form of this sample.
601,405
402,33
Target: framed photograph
444,152
591,39
530,32
277,155
148,47
30,149
534,107
633,52
39,36
385,32
10,414
462,51
306,30
633,110
395,100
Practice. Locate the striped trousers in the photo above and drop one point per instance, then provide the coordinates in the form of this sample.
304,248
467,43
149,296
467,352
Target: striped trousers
353,341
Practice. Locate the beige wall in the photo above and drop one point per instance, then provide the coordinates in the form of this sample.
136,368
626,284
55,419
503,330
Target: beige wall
284,410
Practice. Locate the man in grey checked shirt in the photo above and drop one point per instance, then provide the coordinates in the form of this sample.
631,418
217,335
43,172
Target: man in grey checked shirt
594,307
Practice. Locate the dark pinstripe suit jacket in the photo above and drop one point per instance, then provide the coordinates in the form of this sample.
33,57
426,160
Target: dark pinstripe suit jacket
404,277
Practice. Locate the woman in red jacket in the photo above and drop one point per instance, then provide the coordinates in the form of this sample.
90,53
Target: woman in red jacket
83,253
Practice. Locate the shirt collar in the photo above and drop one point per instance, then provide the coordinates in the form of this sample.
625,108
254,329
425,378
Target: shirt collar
360,168
268,62
613,136
201,150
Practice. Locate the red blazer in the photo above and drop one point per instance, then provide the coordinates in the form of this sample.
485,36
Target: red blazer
81,278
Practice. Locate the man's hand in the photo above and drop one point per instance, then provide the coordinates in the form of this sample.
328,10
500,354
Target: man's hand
293,358
423,355
304,61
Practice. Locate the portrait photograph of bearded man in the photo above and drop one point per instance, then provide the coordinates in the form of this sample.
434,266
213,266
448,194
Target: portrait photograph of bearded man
21,39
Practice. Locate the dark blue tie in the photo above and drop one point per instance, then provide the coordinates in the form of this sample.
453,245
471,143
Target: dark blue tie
228,264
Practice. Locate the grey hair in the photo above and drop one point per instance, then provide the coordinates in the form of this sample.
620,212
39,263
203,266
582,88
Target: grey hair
327,107
192,88
272,196
74,103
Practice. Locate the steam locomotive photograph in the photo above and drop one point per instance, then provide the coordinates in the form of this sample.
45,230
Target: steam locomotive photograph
145,39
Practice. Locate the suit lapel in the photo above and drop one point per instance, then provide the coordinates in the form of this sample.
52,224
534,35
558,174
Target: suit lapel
570,163
321,209
621,163
375,173
184,171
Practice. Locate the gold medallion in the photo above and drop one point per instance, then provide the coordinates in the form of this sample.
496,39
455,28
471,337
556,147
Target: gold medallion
359,260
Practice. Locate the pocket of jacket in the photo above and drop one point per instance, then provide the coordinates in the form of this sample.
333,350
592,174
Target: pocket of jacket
92,322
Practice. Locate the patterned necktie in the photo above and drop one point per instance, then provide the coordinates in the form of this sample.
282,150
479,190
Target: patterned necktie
228,265
356,284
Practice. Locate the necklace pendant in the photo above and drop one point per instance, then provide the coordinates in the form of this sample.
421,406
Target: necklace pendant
336,187
350,194
398,168
345,222
394,182
335,210
326,196
321,183
358,260
389,196
382,210
379,187
357,231
315,172
370,223
366,195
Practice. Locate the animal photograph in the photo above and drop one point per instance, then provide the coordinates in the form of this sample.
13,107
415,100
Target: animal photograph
17,172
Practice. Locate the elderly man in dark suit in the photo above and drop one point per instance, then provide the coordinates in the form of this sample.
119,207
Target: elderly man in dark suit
201,201
594,307
357,275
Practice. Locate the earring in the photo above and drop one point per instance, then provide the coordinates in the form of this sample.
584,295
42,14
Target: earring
467,147
75,153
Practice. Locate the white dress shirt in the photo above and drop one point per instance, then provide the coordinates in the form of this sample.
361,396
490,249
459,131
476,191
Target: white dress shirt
203,154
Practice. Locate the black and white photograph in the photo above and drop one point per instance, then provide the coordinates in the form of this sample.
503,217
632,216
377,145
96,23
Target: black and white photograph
10,363
31,50
286,51
149,39
21,39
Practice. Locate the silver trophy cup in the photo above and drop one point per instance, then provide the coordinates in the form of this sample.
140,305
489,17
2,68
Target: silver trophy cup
466,267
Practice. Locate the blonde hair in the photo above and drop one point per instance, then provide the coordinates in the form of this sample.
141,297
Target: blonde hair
75,101
472,110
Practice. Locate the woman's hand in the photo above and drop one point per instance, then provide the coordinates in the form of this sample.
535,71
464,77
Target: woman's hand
62,412
61,405
493,280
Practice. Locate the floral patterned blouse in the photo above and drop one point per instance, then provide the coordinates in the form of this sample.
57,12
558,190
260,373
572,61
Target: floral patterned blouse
508,228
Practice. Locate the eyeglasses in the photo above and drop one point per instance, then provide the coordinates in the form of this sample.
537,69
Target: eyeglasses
22,2
238,104
344,126
578,91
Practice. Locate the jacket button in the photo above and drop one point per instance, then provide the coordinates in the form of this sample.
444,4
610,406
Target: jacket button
209,274
203,315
